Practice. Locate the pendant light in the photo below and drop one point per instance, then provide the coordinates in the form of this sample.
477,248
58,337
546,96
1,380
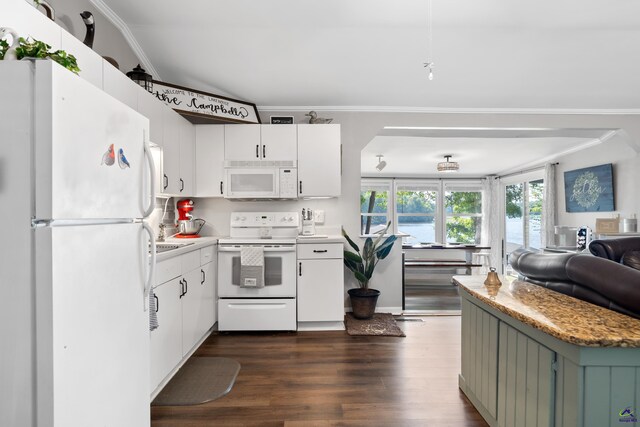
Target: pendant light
381,163
429,65
448,165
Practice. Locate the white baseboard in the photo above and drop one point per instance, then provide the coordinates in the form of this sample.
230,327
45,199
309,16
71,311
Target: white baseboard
320,326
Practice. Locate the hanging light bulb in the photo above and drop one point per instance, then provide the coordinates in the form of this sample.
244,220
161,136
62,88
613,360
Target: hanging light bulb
429,64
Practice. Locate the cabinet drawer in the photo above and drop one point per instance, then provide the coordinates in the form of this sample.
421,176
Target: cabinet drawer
168,269
322,250
257,314
190,261
206,255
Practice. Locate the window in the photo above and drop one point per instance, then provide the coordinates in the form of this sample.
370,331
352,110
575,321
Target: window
374,206
463,209
523,219
417,212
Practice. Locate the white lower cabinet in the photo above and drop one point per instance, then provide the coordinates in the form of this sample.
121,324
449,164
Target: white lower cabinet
166,341
320,286
185,304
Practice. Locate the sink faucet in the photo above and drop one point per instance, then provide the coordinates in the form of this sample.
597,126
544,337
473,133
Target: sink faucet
161,234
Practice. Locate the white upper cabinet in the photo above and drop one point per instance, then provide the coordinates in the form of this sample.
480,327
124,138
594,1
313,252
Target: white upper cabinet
118,85
260,142
171,150
152,109
89,62
279,142
209,160
319,160
187,157
242,142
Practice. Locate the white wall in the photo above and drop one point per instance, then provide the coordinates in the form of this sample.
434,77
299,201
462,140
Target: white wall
626,170
358,128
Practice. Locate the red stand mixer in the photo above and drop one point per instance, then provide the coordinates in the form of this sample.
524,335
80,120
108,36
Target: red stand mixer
187,226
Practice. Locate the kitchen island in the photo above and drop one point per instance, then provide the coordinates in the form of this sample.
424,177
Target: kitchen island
531,356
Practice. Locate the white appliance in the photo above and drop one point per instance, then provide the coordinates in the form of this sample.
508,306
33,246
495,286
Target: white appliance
75,183
252,180
273,306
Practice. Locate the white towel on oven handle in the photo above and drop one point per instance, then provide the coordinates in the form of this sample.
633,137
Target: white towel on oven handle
251,267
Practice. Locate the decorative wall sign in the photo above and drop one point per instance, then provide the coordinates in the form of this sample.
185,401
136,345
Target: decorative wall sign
281,120
589,189
201,107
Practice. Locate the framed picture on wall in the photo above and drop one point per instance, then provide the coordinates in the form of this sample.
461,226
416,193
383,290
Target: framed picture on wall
589,189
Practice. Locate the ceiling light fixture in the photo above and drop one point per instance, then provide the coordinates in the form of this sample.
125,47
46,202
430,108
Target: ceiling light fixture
381,163
429,65
447,165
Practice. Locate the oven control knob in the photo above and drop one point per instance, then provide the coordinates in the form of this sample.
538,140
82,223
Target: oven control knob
290,219
243,218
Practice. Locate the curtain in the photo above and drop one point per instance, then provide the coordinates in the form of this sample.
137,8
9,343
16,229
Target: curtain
549,205
491,212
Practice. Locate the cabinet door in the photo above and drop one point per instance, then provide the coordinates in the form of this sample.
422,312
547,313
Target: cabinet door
320,290
209,160
191,296
242,142
171,152
206,311
89,61
166,340
319,160
118,85
526,380
279,142
152,109
187,160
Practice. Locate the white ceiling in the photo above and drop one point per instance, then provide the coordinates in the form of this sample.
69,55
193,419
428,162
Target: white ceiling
415,152
573,54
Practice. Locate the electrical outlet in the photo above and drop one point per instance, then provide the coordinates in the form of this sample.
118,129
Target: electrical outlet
318,216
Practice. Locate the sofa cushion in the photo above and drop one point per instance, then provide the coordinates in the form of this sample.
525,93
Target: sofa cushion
618,283
631,259
613,249
541,267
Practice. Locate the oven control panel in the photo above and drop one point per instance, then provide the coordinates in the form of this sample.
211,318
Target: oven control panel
265,219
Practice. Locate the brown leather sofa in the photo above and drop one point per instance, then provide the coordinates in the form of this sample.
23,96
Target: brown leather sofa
595,279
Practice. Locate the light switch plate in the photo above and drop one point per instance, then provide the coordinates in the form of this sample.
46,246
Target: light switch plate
318,216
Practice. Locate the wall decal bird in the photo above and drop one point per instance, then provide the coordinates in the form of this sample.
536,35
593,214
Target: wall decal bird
109,157
11,51
314,119
122,160
89,22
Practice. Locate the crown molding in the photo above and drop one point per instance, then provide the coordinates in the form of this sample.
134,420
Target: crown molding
436,110
128,36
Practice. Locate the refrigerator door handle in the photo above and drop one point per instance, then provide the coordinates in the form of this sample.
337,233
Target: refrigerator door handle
152,177
152,264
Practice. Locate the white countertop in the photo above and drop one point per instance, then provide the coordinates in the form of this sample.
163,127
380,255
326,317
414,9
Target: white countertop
320,238
198,243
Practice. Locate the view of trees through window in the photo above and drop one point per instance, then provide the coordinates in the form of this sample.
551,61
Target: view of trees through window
420,213
464,216
523,207
416,211
373,210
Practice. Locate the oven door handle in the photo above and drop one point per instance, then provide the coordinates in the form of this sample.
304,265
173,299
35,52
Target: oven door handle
269,250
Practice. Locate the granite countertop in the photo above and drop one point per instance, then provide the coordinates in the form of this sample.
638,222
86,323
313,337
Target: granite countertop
561,316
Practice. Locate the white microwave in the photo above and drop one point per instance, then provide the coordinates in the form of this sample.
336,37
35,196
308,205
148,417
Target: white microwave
261,182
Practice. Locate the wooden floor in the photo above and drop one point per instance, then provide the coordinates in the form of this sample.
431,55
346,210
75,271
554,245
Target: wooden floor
420,297
333,379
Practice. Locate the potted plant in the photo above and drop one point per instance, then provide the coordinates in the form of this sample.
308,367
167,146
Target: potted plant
32,48
363,264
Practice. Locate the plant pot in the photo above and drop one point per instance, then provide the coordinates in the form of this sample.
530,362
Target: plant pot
363,302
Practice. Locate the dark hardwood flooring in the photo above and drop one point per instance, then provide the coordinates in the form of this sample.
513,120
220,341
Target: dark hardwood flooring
421,297
333,379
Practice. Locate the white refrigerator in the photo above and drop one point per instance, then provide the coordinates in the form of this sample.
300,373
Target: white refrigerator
75,269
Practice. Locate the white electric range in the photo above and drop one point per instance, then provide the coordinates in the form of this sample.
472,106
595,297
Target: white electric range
272,306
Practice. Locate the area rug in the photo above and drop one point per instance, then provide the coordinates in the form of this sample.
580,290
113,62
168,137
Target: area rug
200,380
381,324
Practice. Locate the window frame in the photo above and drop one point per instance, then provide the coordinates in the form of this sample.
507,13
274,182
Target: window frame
366,184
